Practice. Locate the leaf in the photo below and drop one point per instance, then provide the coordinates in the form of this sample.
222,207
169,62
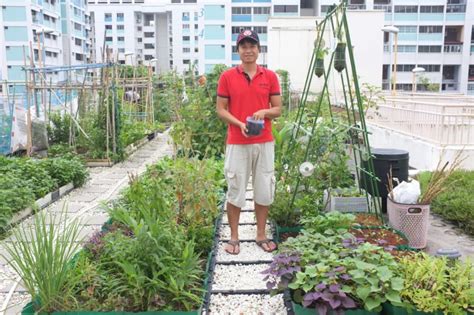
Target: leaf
393,296
397,284
363,292
372,303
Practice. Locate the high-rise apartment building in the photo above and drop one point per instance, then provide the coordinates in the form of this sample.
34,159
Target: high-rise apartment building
56,28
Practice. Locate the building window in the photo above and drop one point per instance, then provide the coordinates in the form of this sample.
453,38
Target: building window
406,9
234,49
78,42
186,50
186,38
261,10
189,1
431,9
406,49
285,9
431,68
121,50
149,34
148,57
263,49
121,39
149,19
108,17
108,39
260,29
186,26
120,17
196,49
185,16
430,29
175,1
405,68
139,39
149,46
139,28
108,27
186,61
407,29
429,49
238,29
120,27
241,10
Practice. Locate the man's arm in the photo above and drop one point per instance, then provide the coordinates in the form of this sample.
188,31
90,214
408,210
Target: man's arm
273,112
224,114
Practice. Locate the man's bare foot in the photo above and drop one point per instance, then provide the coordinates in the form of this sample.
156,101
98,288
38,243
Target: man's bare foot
233,247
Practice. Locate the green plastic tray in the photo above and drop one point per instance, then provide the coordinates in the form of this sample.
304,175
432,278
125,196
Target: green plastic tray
300,310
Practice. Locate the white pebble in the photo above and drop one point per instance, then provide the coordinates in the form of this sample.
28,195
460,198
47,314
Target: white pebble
245,218
239,277
249,251
254,304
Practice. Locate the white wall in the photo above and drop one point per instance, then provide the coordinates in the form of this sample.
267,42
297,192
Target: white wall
423,155
291,40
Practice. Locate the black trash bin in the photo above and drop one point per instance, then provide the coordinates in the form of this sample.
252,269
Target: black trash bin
384,159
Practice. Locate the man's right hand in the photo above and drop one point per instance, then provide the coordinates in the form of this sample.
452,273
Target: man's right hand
243,129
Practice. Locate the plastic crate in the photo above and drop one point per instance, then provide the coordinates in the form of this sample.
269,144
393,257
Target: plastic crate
411,219
345,204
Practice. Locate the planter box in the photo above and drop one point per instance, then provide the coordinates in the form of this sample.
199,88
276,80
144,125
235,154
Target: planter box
279,230
345,204
99,163
389,309
29,310
300,310
41,203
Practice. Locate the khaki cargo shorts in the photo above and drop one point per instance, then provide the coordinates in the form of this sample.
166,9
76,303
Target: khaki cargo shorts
257,159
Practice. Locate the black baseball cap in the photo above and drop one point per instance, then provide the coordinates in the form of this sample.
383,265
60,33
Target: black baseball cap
252,35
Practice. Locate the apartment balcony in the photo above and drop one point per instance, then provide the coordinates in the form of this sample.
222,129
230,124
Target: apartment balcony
356,7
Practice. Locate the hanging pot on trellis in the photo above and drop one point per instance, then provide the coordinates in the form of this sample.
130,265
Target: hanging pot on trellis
340,57
319,67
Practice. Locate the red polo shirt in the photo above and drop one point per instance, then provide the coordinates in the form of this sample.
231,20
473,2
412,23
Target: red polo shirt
245,98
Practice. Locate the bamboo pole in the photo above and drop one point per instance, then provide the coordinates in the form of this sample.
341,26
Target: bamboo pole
28,110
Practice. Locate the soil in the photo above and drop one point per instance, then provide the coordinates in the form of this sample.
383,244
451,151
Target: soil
367,219
381,237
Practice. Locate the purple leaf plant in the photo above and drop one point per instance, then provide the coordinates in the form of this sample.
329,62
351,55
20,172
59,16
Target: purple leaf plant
282,268
328,297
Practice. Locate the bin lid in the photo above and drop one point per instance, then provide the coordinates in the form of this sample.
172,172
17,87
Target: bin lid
389,153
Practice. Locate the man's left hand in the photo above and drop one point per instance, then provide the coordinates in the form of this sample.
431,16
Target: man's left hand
259,115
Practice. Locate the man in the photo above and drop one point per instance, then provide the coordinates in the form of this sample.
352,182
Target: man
243,91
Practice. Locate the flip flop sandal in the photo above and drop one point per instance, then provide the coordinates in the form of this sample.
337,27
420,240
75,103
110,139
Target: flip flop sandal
267,241
233,244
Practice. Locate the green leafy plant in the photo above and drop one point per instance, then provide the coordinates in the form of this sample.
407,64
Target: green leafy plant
455,204
329,221
64,170
434,284
41,254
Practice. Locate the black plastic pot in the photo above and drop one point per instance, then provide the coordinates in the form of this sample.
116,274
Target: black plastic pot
340,57
319,67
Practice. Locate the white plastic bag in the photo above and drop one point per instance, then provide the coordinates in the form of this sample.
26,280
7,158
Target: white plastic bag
407,192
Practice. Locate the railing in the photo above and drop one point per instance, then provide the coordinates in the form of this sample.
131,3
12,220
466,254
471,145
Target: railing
356,7
385,7
443,124
456,8
453,48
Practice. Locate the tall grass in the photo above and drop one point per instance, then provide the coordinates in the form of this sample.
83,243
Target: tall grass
41,254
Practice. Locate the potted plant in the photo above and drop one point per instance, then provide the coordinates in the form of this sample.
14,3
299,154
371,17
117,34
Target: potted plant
351,199
434,285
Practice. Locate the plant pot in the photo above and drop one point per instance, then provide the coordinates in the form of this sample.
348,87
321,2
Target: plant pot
411,219
389,309
298,309
345,204
319,67
340,57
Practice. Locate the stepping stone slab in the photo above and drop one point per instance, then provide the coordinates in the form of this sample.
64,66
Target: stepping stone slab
239,277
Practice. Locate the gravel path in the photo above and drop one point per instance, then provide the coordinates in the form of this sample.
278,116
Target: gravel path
251,304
